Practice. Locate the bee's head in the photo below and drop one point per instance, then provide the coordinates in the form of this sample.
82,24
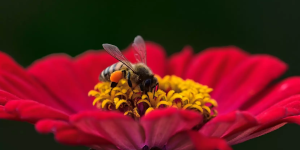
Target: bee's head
148,83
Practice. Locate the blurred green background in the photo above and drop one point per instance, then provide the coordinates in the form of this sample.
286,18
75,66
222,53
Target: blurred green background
30,29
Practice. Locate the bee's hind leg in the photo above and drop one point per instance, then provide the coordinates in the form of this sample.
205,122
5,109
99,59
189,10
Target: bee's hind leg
113,84
115,78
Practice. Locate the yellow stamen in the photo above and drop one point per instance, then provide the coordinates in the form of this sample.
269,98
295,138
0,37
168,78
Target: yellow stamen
173,92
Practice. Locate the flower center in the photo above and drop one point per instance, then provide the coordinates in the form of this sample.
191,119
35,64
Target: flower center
173,92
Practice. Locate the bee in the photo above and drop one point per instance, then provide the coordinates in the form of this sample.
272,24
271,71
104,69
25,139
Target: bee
138,74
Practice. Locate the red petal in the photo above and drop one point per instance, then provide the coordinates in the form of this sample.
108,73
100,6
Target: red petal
286,108
73,136
160,125
211,65
180,141
121,130
5,97
202,142
67,134
58,75
8,116
271,96
32,111
178,62
271,119
293,119
13,85
51,126
25,89
16,80
194,140
256,134
249,78
104,147
156,57
223,125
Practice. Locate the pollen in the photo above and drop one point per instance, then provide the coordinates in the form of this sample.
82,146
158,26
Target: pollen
173,92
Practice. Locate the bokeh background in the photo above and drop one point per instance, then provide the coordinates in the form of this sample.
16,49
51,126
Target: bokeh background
31,29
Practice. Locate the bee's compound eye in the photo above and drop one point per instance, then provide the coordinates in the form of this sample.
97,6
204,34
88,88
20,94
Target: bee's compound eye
148,82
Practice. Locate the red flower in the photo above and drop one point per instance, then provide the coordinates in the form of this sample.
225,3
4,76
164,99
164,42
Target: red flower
52,94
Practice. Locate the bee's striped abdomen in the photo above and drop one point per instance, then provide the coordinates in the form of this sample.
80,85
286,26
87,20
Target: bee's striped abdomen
105,74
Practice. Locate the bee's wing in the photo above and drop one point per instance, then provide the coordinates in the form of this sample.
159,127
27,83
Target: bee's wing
140,52
116,53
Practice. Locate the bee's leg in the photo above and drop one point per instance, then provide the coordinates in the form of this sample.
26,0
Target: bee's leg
143,89
155,89
113,84
147,94
124,73
153,93
115,77
128,79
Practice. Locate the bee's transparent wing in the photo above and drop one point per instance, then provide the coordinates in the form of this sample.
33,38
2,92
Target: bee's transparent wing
116,53
140,52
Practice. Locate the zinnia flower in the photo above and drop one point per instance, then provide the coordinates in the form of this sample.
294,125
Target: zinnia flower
219,97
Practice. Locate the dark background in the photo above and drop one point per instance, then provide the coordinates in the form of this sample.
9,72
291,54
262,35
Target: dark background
30,29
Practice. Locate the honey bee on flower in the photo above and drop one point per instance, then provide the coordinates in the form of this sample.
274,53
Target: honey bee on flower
134,89
138,74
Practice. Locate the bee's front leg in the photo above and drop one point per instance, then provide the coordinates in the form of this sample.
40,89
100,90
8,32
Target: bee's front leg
143,89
